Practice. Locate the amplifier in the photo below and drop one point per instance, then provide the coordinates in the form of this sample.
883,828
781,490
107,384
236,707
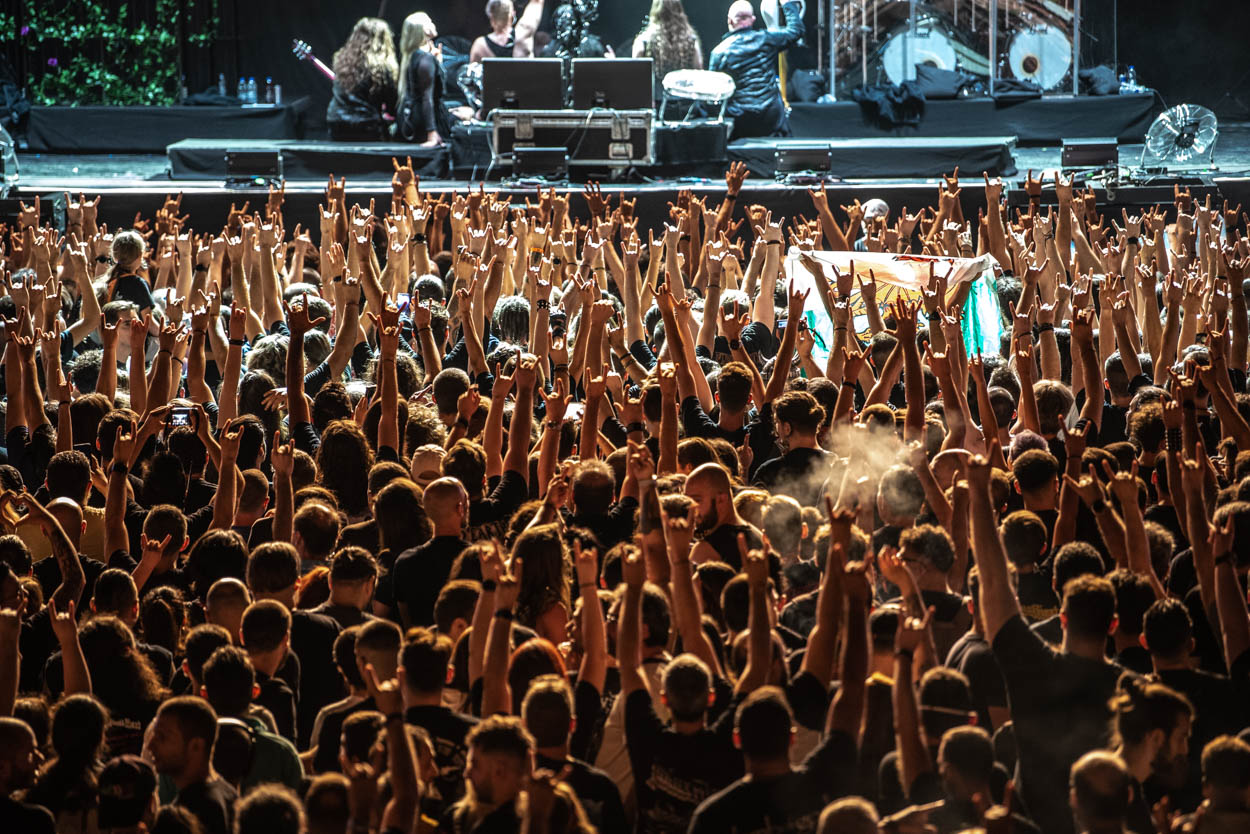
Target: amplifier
1098,152
615,138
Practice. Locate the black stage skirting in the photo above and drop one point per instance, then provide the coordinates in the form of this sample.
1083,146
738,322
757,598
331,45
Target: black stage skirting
888,157
697,150
206,158
1041,121
152,129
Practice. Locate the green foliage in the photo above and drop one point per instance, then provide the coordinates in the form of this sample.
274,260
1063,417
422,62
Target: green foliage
93,52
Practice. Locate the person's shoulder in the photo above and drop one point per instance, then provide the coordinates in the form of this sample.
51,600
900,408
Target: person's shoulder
716,806
314,620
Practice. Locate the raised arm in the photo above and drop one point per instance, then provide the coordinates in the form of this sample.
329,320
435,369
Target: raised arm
282,457
629,628
914,758
823,640
594,666
998,600
759,630
496,694
847,708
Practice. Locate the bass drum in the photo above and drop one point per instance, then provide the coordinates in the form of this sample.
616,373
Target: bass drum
931,44
1041,54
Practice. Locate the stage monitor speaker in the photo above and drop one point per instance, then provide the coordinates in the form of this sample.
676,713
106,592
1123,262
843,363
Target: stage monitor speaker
253,166
522,84
1090,153
551,163
794,159
614,83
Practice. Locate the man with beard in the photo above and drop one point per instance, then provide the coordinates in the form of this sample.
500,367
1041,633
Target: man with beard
749,55
1152,725
802,470
717,523
19,759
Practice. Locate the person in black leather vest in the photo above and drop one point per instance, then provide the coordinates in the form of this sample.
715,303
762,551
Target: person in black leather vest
749,56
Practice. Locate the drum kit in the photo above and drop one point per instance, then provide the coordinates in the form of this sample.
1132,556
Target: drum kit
1025,40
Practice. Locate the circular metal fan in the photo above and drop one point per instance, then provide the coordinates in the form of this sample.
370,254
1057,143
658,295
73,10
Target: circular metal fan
1184,132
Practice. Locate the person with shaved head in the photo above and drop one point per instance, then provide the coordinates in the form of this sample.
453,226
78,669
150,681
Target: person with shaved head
420,572
715,519
749,56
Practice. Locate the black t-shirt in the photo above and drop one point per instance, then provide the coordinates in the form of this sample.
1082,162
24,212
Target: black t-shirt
134,289
345,615
26,818
1220,707
279,699
330,739
614,526
799,473
598,794
487,516
48,572
724,540
953,816
674,772
320,683
1037,597
971,655
420,573
697,423
448,730
1059,709
212,803
789,804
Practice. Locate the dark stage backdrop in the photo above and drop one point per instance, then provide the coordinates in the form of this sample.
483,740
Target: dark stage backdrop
1192,51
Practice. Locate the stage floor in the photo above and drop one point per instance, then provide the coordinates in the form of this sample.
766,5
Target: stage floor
47,172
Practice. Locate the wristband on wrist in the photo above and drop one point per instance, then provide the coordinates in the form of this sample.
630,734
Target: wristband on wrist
1173,440
101,259
1132,241
462,423
555,369
394,716
735,344
119,468
504,614
903,653
554,424
419,237
544,304
1224,559
774,243
238,342
196,268
1098,507
1045,328
488,585
633,427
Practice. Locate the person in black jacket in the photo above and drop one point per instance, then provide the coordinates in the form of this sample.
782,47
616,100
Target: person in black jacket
750,57
422,118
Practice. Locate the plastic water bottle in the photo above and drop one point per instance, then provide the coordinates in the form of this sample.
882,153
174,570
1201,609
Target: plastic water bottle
1132,78
251,90
221,84
268,89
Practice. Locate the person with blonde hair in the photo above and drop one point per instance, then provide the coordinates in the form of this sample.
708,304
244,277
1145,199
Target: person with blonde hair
422,117
498,43
366,74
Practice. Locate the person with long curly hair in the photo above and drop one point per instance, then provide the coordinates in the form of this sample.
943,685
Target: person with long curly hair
366,76
669,40
343,463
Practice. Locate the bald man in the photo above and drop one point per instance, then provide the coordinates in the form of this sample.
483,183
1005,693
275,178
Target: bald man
715,518
225,603
1101,793
420,572
68,513
749,56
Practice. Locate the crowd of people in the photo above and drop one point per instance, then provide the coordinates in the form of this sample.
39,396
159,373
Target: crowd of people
477,516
